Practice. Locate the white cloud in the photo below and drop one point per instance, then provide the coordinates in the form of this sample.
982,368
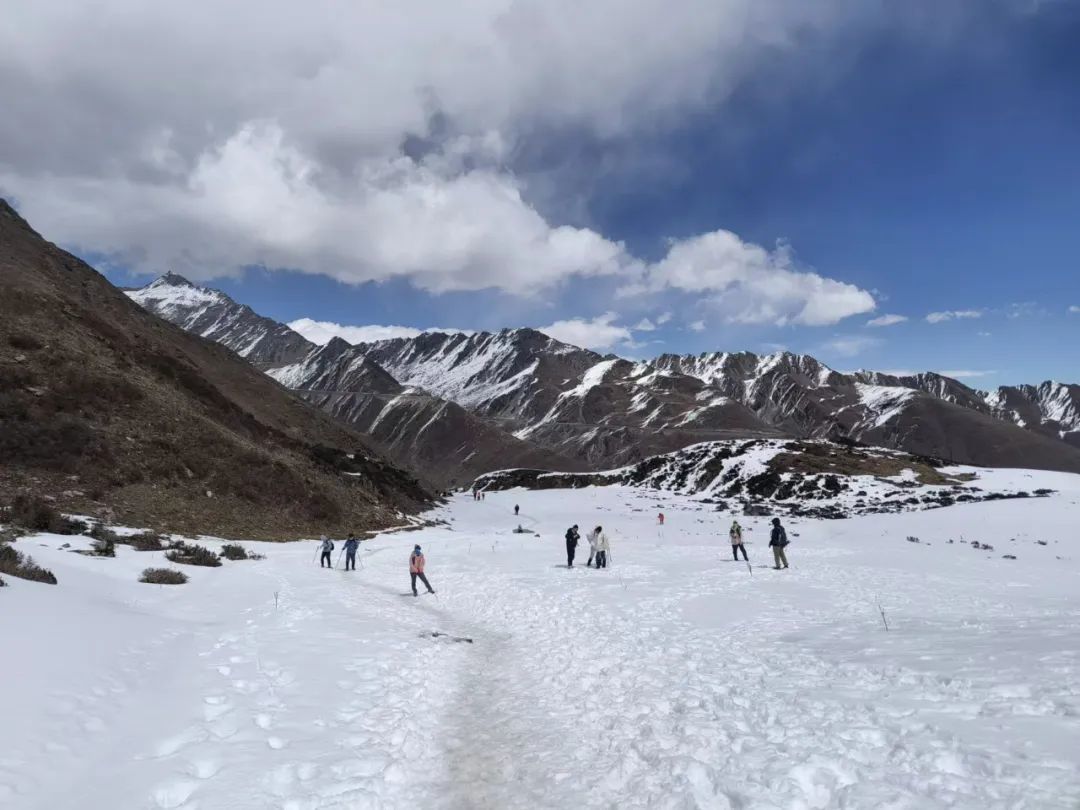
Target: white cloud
697,326
645,325
850,345
600,332
983,334
663,318
966,373
951,315
1074,309
887,320
322,332
370,142
752,285
900,372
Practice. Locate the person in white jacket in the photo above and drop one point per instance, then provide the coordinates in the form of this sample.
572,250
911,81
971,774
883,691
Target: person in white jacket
600,543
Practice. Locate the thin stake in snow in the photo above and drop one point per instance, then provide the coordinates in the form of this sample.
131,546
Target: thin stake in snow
749,568
884,621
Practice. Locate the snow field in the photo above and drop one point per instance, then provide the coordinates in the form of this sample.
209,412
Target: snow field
676,678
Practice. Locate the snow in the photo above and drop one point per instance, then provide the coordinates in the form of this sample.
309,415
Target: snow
884,402
674,679
592,377
171,298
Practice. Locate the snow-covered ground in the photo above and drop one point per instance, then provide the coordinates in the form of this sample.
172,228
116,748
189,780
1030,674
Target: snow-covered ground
674,679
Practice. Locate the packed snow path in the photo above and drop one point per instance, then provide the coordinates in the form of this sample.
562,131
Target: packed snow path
674,679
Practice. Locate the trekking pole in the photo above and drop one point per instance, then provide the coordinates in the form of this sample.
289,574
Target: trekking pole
339,556
313,559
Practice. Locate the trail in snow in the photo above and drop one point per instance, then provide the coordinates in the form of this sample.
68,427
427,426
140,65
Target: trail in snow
674,679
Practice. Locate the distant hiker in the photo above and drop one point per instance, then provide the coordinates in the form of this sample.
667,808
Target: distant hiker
660,518
520,530
516,510
736,541
603,546
327,547
777,542
572,538
416,569
351,545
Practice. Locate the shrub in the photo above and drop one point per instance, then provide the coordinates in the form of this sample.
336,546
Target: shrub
144,541
24,341
232,551
23,566
35,514
193,555
104,547
163,576
2,584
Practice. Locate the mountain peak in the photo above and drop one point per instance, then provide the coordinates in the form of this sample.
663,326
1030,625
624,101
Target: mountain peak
173,280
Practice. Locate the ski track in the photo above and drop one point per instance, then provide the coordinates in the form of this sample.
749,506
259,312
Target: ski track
674,679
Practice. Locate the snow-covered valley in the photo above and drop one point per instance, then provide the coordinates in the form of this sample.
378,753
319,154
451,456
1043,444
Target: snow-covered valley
676,678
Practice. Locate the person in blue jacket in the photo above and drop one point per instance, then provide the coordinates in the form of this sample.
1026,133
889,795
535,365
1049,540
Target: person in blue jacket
351,545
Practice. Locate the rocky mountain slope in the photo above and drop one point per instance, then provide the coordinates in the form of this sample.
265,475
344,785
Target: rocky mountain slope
215,316
601,411
793,477
107,408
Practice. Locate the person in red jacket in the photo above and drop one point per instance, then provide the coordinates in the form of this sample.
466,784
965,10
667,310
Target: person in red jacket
416,569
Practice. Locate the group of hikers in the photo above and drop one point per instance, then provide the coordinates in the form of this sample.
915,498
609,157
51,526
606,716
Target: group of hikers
352,543
599,549
777,542
599,546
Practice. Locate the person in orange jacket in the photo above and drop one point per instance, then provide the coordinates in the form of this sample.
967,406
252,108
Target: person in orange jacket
416,570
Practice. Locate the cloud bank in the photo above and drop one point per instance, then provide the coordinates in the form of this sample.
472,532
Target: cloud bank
370,143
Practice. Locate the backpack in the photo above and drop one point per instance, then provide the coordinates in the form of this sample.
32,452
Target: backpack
782,541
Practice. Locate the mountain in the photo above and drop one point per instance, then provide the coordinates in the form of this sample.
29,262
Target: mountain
106,407
1050,408
792,477
215,316
438,439
519,394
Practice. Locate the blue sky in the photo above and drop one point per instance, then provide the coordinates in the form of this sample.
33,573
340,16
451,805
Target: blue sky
779,180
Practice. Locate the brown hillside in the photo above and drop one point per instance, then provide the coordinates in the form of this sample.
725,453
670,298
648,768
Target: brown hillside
106,407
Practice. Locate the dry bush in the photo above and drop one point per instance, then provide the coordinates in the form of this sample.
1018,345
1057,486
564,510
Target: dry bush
193,555
20,565
104,547
163,576
35,514
234,551
145,541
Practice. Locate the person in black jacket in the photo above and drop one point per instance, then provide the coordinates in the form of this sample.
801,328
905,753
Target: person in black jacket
572,538
777,541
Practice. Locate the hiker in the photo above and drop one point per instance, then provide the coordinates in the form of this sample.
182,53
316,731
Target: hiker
777,542
736,542
416,569
572,538
327,547
351,545
598,547
660,518
516,510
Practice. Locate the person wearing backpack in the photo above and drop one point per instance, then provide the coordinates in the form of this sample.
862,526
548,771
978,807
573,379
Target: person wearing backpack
736,542
572,538
416,570
351,545
325,560
778,541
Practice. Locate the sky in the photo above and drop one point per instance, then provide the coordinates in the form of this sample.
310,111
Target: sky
893,186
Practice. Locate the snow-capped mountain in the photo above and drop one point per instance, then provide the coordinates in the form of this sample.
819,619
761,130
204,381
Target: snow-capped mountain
790,476
541,395
213,315
439,438
1051,408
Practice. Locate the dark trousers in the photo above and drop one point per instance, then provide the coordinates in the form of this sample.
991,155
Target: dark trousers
350,560
571,548
324,561
601,559
736,548
422,579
